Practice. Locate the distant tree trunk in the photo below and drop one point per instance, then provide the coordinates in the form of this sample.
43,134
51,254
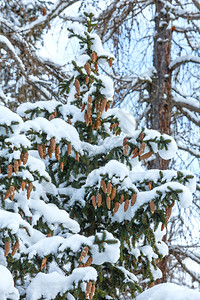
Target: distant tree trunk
161,89
161,100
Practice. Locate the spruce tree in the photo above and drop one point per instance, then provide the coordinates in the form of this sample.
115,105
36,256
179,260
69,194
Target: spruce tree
80,217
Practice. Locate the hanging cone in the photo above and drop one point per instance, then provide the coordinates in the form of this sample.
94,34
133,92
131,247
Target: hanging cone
126,205
25,158
98,124
88,262
10,170
88,68
44,151
6,248
116,207
94,57
103,186
86,80
40,151
29,190
92,292
69,149
103,105
110,62
150,185
125,141
146,155
142,148
12,192
141,136
15,248
168,213
135,153
84,253
126,147
94,201
152,206
108,202
83,107
113,193
77,86
99,200
16,167
109,188
57,152
121,199
61,165
77,156
52,145
7,195
133,199
88,289
43,264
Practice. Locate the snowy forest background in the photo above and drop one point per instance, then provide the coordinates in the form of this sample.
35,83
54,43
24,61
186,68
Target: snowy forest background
156,78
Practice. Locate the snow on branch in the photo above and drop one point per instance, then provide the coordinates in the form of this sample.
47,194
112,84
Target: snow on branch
189,103
183,60
57,8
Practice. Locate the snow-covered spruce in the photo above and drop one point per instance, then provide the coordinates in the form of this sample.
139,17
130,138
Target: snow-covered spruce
79,215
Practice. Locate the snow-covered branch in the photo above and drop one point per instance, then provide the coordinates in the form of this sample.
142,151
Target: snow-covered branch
190,104
183,60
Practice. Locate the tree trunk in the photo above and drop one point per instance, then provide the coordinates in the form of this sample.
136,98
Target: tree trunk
161,101
161,89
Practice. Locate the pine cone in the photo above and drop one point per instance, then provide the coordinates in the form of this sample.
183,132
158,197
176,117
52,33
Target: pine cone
116,207
126,205
43,264
88,289
83,107
61,165
10,170
57,152
86,80
121,199
99,199
69,149
77,86
108,202
88,262
52,145
146,155
6,248
94,57
16,247
103,105
125,141
103,186
98,124
126,147
110,62
88,68
40,151
84,253
7,194
135,153
142,148
29,190
92,292
113,193
109,188
12,192
152,206
16,167
77,156
25,158
133,199
94,201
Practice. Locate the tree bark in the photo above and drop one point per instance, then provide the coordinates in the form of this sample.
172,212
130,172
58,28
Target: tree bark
161,100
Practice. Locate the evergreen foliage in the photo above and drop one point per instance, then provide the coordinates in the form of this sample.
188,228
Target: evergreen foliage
80,218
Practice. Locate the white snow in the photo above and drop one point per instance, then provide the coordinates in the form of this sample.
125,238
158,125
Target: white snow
169,291
7,289
7,117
